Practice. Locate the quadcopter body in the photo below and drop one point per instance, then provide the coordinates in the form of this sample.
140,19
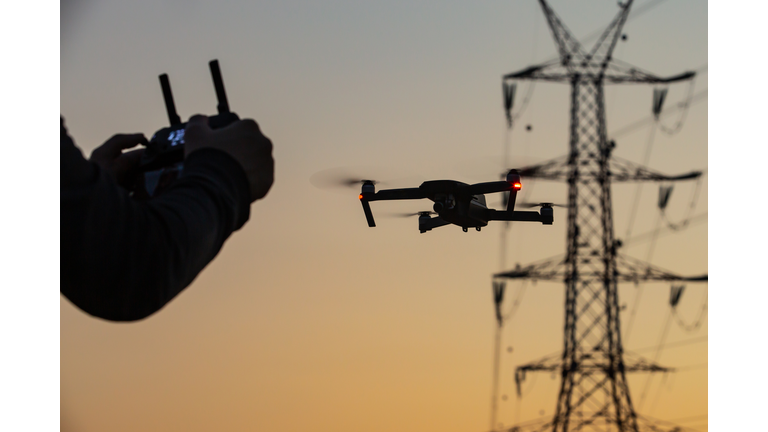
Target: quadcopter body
458,203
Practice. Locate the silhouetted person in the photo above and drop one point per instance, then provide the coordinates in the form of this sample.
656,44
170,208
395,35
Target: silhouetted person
123,259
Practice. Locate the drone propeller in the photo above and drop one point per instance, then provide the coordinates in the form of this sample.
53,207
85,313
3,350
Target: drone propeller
405,215
354,177
493,167
354,182
338,178
532,204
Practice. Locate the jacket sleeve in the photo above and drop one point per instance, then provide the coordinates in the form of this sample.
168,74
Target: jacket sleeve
124,259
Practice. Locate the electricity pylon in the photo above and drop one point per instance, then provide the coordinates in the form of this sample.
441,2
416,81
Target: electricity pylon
594,394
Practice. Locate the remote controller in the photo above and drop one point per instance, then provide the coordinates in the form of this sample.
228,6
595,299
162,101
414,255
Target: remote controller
163,158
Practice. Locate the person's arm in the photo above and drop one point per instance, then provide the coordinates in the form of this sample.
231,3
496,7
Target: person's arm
123,259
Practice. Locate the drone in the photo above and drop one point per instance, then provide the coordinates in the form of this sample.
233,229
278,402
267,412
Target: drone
458,203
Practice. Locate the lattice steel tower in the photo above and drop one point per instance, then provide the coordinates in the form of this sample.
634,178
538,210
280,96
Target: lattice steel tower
593,394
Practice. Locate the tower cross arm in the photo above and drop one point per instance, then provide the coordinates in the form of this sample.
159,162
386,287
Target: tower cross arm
637,77
550,363
619,170
628,269
548,269
622,170
619,72
681,77
553,169
634,270
634,362
550,71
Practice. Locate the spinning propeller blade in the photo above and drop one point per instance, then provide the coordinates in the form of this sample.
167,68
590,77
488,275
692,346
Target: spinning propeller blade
493,167
405,215
353,177
533,204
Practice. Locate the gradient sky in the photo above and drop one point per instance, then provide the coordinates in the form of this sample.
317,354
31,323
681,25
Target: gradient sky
308,319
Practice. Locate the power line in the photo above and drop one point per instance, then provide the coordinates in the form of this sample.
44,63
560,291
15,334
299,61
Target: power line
697,322
659,348
639,186
697,97
704,338
679,124
702,217
658,101
691,367
690,418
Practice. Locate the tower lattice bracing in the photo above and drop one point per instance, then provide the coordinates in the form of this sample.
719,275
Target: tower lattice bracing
594,388
594,395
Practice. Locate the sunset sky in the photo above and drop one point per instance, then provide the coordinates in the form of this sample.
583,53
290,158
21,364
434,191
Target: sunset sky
310,320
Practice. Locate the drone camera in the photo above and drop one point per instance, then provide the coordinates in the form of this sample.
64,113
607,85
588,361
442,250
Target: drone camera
444,202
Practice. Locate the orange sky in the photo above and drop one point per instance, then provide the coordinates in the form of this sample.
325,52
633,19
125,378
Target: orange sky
308,319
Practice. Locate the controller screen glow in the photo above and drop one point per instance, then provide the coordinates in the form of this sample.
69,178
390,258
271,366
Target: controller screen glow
176,137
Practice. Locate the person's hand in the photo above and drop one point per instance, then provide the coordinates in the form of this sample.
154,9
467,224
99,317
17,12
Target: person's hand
122,166
243,141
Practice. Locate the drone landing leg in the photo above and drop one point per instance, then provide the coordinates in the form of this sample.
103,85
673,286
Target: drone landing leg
368,212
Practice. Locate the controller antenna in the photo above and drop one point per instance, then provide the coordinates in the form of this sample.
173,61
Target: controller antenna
168,96
218,84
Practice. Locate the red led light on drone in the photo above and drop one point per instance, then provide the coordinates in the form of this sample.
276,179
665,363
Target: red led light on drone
517,185
361,196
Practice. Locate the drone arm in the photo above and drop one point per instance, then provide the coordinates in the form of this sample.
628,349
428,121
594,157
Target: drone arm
489,187
526,216
398,194
368,195
523,216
